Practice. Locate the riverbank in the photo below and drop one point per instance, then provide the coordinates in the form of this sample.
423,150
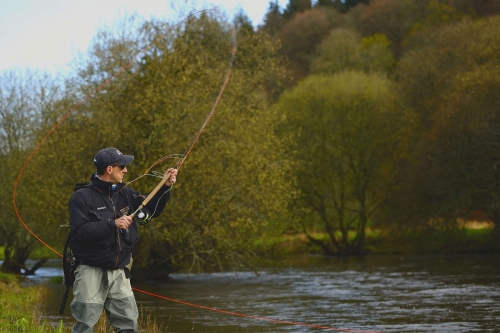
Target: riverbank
459,241
23,311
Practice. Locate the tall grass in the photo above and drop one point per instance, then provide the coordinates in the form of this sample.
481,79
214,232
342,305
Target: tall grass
20,307
22,311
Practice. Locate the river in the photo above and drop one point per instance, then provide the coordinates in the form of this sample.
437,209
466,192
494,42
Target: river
372,294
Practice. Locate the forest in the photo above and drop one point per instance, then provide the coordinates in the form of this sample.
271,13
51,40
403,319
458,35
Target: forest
361,126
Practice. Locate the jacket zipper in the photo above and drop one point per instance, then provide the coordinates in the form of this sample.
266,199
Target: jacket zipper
117,231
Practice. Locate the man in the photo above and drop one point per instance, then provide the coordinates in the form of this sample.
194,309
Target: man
102,237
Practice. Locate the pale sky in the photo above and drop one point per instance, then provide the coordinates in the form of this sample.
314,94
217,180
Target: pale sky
47,34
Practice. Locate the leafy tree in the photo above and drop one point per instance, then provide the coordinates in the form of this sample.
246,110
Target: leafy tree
393,18
480,7
273,19
223,201
296,6
454,167
425,74
302,34
437,16
242,22
348,131
25,99
345,50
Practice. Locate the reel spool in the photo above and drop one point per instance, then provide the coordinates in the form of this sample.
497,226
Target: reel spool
142,217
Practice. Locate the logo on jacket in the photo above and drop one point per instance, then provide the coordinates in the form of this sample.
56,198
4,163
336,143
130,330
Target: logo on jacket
125,210
101,208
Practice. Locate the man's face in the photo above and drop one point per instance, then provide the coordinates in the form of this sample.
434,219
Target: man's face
117,173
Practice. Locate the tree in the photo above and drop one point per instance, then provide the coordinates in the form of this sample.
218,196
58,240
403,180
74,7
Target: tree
296,6
425,74
273,19
222,203
344,49
393,18
480,7
302,34
348,132
25,99
454,165
242,22
437,16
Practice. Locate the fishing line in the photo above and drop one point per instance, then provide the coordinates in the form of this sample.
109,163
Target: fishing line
177,166
237,314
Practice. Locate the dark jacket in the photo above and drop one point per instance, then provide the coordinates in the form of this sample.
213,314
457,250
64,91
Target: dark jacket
92,209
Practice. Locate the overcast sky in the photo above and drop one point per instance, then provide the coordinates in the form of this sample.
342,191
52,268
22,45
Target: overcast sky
46,34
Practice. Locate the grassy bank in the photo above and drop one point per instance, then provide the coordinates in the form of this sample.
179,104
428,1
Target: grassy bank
459,241
22,311
38,253
20,307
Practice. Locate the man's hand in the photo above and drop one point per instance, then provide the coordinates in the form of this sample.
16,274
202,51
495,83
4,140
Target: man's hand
173,176
123,222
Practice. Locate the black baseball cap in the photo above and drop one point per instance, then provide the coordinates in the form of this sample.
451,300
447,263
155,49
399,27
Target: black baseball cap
111,156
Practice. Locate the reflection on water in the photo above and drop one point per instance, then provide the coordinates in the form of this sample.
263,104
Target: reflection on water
379,293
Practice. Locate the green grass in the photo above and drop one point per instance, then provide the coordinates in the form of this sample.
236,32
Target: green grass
20,308
457,241
38,253
21,311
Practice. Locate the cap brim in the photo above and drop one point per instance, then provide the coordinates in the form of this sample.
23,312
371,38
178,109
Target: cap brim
125,159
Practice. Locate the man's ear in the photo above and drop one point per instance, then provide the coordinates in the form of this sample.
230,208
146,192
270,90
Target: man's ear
109,169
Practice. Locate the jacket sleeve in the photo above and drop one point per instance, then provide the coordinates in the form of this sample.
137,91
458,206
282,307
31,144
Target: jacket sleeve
156,205
83,229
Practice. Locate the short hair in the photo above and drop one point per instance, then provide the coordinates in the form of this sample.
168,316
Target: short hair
101,171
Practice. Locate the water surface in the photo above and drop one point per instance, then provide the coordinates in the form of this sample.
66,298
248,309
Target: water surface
375,293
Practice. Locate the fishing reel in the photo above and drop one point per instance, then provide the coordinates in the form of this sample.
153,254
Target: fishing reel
142,217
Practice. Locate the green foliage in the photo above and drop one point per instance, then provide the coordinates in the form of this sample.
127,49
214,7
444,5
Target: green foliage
20,312
348,130
345,50
452,85
56,279
436,16
483,8
296,6
302,34
234,185
273,19
26,100
393,18
425,74
345,132
234,182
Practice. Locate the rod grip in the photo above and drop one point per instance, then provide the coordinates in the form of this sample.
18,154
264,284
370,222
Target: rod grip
148,198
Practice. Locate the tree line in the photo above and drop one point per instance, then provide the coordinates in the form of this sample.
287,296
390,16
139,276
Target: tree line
340,116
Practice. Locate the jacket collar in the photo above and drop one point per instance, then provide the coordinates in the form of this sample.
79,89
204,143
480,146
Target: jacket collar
103,186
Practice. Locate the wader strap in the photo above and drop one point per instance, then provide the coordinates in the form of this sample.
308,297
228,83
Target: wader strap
105,280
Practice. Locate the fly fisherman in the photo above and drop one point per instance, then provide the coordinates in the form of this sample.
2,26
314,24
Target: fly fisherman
102,237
